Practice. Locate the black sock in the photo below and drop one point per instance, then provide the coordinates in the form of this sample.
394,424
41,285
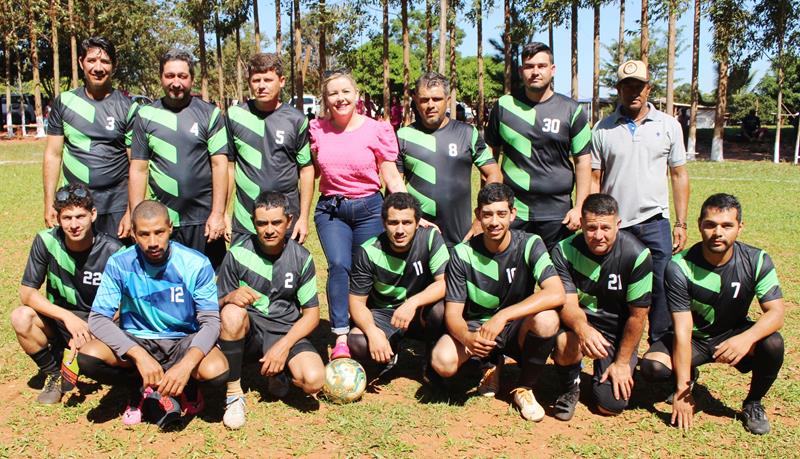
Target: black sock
234,352
767,362
569,376
101,371
535,351
46,361
216,383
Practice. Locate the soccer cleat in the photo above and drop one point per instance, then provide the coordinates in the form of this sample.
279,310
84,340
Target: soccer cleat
195,404
387,367
235,408
52,391
165,412
490,381
528,407
278,385
755,418
133,412
565,405
340,351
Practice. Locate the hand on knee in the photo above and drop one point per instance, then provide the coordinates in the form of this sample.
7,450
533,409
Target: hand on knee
606,403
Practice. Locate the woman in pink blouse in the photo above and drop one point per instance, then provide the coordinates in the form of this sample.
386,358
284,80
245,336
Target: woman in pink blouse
352,154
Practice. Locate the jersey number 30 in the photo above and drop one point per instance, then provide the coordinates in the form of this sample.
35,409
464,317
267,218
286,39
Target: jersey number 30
551,125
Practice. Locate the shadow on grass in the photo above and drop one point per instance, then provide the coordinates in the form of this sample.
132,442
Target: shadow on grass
111,405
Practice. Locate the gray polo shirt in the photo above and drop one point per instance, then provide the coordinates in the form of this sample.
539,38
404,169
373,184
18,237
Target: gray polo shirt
634,160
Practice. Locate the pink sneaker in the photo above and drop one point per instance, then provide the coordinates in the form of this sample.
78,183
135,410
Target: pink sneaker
133,414
340,351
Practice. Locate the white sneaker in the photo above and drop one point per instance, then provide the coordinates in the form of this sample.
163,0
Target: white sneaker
528,407
234,417
490,381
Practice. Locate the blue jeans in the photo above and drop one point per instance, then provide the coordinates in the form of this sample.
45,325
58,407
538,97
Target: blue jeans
656,234
342,226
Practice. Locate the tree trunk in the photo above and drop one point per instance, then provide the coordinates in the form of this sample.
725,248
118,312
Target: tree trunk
443,35
239,63
574,58
298,52
73,46
387,95
722,106
550,34
278,38
306,61
428,35
596,68
645,40
671,40
453,74
37,84
479,26
7,45
220,78
406,63
507,46
692,141
90,8
323,55
257,27
621,38
54,37
776,157
201,42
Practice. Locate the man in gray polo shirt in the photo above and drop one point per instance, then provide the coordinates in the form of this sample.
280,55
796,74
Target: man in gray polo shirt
633,148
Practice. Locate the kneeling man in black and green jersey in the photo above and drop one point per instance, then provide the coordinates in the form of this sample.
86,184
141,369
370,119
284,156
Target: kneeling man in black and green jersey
268,296
709,290
491,309
397,284
608,277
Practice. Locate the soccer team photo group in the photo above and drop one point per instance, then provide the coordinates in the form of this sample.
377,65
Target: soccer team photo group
250,274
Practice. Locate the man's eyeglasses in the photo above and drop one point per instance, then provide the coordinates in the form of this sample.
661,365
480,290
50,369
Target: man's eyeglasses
64,195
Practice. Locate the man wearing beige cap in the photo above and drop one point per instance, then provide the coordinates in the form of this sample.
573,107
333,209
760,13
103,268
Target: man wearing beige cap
632,150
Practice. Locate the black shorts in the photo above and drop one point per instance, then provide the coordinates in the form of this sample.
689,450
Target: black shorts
507,340
192,236
383,320
108,223
167,352
263,333
551,231
703,349
61,337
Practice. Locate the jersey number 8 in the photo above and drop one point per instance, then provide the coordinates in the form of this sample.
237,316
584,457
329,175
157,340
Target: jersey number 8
452,149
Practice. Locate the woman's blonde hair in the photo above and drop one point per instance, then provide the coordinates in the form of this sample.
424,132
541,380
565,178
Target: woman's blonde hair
324,112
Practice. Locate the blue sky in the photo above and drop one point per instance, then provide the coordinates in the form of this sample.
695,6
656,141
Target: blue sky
609,29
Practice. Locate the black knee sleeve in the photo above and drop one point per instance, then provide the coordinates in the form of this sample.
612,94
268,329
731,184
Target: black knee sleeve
234,353
604,397
217,382
766,363
101,371
359,347
433,318
535,351
654,371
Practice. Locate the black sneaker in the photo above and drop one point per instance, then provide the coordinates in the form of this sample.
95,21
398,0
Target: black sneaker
755,418
52,391
565,405
165,412
431,378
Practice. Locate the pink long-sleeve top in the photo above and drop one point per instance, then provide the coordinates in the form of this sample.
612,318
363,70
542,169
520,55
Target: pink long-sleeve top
348,161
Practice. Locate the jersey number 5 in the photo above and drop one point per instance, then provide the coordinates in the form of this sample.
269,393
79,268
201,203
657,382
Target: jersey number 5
279,137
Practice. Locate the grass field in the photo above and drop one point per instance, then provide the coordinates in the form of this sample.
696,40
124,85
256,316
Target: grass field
400,419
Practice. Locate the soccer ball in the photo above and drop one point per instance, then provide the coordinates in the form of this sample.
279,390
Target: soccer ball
345,381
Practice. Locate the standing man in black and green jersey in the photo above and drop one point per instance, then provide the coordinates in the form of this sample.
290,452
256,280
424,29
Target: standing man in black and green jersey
541,134
71,257
608,276
491,309
397,284
269,306
709,290
436,158
180,141
270,146
89,134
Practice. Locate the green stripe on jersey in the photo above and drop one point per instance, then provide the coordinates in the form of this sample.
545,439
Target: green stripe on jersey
253,262
518,108
383,260
439,258
307,291
580,140
262,303
214,116
541,264
66,292
426,141
766,284
523,211
247,153
481,298
77,168
165,182
243,216
217,141
163,148
706,312
517,175
520,142
304,155
587,300
392,291
81,107
243,117
640,288
77,138
584,265
61,256
421,169
641,258
163,117
244,183
427,204
479,262
709,280
174,216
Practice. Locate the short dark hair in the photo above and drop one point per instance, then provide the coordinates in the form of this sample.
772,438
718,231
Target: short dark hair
101,43
176,54
401,201
148,210
272,200
496,192
600,204
432,80
721,201
85,199
532,49
263,63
